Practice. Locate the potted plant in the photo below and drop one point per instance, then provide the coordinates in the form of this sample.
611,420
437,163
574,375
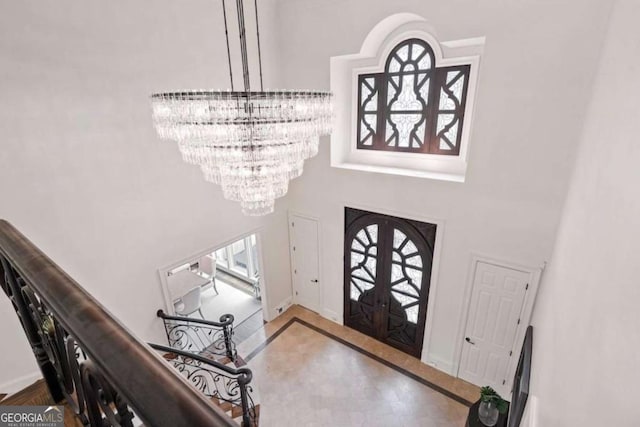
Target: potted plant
491,406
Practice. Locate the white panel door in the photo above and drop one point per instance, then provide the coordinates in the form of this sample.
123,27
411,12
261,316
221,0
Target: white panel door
494,315
304,256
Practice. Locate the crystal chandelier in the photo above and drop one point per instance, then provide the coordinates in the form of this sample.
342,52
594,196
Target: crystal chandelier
251,143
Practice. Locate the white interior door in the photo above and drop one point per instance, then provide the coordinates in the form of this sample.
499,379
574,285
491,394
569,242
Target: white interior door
304,257
494,317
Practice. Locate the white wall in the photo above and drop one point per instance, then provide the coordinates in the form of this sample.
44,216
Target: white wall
586,340
535,81
82,173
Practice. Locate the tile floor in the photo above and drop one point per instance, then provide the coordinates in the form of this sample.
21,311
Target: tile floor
306,376
249,326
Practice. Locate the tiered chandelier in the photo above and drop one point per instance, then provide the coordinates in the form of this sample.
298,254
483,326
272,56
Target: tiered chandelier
251,143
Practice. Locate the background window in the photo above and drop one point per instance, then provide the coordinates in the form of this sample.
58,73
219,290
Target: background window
240,259
413,106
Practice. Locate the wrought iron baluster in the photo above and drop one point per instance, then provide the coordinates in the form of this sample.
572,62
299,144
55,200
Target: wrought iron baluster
102,399
31,330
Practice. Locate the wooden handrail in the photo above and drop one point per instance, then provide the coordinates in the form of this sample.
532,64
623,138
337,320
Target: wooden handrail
225,319
158,395
246,372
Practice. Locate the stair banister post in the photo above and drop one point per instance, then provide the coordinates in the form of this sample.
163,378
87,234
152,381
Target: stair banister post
227,330
243,380
160,314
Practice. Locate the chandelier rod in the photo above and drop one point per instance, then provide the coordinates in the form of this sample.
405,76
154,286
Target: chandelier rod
226,34
243,47
255,4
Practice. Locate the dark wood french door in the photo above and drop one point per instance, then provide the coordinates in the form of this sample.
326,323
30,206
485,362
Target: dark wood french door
387,272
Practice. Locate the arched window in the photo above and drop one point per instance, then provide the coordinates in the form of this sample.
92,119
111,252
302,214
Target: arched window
413,106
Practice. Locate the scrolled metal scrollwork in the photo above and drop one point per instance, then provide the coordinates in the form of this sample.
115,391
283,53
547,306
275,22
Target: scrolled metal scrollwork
102,399
13,285
216,380
195,338
74,381
209,381
200,336
62,351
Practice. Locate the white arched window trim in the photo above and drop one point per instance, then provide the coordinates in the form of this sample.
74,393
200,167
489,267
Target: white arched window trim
371,59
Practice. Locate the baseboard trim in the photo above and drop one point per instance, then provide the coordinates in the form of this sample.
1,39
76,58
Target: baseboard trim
18,384
282,307
332,315
441,365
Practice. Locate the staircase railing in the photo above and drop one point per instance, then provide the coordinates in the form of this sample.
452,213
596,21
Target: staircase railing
86,356
198,336
219,382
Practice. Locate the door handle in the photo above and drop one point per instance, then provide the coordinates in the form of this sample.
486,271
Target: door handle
467,339
315,280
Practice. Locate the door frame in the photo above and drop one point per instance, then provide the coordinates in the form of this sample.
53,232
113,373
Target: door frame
435,262
535,274
262,283
290,218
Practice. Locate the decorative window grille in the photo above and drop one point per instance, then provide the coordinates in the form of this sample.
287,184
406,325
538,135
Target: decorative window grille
413,106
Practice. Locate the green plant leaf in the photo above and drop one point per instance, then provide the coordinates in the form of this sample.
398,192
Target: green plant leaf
488,394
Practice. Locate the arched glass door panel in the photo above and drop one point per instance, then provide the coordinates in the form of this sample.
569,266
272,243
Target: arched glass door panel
387,275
